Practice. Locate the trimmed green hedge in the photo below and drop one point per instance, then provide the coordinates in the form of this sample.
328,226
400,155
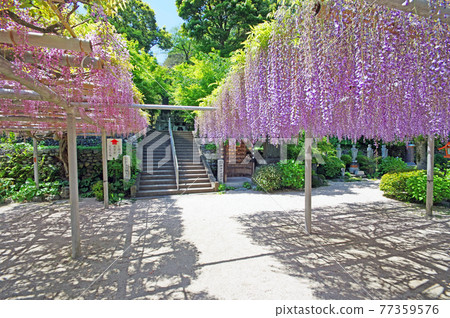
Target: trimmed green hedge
267,178
292,174
411,186
391,164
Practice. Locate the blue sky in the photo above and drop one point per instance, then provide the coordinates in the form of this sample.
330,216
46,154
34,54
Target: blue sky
166,15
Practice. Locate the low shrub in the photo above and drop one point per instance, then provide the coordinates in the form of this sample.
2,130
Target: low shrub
293,151
268,178
292,174
211,147
416,187
366,164
6,188
97,190
333,166
346,159
394,184
247,185
412,186
391,164
28,190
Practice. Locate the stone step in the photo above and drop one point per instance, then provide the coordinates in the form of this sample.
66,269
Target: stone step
151,146
156,155
152,193
192,175
156,159
150,187
190,166
193,185
157,181
192,180
160,173
192,171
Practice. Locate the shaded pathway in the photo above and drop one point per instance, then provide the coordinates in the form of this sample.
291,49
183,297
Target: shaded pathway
239,245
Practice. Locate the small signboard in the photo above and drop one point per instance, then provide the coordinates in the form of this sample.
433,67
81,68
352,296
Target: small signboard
114,148
220,171
126,167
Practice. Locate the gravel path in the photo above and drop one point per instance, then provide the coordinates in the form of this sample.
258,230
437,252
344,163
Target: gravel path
238,245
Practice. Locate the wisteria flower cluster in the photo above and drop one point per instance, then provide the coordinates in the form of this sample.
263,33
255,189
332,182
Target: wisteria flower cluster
353,70
106,93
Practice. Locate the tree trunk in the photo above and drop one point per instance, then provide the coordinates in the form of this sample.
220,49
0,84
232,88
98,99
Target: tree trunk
63,154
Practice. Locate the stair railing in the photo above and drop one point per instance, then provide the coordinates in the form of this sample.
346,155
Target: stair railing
174,156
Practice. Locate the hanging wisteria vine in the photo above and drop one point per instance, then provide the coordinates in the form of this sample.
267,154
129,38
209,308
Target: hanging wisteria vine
355,70
107,92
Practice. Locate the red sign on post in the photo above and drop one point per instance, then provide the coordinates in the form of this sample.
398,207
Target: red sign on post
447,150
114,148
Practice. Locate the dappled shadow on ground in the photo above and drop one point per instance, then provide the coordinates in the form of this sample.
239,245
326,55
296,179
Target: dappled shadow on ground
134,251
360,251
334,188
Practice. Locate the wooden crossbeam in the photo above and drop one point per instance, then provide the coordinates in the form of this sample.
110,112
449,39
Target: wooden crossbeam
11,72
66,60
45,40
34,119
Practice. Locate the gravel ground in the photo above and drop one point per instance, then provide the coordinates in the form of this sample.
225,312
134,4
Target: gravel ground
238,245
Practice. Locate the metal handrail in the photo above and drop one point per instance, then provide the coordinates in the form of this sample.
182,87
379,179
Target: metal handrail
174,156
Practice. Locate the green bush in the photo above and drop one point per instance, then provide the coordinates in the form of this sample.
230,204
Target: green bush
28,190
416,186
391,164
117,187
326,148
394,184
292,174
6,188
211,147
366,164
18,164
412,186
247,185
293,151
268,178
97,190
333,166
346,159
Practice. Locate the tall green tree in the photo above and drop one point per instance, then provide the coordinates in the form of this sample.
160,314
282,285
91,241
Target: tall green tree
195,80
183,49
152,80
222,24
137,21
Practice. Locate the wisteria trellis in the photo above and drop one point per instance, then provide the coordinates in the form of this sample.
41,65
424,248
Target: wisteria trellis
359,70
108,91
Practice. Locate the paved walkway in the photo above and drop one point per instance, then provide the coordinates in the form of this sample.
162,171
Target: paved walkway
239,245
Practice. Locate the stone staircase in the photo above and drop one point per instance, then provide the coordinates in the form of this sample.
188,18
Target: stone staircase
158,173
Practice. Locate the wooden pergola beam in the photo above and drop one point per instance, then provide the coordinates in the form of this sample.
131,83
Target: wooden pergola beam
66,60
419,7
35,119
7,93
10,71
46,40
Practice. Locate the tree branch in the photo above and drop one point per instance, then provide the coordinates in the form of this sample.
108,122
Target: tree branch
54,28
10,71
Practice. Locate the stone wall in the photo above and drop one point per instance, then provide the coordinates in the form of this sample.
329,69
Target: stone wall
89,161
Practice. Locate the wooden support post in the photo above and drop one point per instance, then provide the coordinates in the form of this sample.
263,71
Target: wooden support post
73,184
35,163
308,180
105,171
430,175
